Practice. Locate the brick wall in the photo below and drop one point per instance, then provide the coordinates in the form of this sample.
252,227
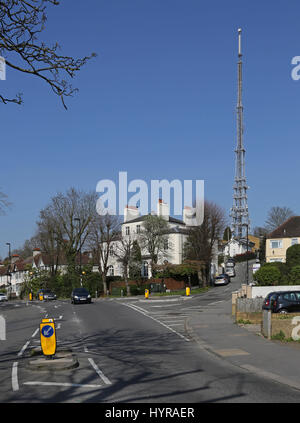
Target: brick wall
170,283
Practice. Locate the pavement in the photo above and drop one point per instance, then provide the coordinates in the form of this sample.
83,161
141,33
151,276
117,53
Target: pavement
215,331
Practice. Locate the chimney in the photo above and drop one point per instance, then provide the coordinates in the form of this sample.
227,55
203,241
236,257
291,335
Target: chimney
36,252
130,213
163,209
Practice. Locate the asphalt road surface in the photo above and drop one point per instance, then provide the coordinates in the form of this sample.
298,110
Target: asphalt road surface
129,351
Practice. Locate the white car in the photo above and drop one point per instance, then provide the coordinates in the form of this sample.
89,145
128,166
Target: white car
221,280
3,297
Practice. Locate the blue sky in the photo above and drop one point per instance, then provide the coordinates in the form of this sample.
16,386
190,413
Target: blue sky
158,102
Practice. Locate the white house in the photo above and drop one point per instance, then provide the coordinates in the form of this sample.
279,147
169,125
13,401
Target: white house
175,238
234,247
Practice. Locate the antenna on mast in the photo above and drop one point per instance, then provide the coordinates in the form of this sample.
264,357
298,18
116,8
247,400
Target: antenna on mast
240,41
239,210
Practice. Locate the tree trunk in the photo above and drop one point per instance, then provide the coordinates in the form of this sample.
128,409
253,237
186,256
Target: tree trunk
104,283
126,281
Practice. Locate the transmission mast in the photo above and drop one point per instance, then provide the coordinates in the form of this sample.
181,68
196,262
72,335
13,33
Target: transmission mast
239,212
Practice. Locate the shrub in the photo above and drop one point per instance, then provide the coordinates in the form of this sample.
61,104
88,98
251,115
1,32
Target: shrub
268,275
294,275
293,256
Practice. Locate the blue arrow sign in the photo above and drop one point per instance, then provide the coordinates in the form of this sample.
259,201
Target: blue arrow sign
47,331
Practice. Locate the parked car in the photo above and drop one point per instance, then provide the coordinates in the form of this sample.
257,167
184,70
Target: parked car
230,271
282,302
80,295
47,294
3,297
222,279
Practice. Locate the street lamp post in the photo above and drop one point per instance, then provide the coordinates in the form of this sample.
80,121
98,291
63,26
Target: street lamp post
9,273
247,277
247,259
77,219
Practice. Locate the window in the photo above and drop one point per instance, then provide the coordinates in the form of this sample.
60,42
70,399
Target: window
138,229
111,250
111,271
276,243
294,241
290,296
145,269
127,229
166,244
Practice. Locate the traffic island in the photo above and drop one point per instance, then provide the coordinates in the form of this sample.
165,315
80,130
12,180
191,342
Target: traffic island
62,360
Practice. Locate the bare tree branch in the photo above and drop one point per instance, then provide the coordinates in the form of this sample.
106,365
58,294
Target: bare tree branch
21,22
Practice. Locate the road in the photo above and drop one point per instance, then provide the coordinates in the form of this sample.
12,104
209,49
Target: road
129,351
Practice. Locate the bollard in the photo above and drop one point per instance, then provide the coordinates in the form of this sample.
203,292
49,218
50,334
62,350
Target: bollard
146,293
187,291
30,296
48,337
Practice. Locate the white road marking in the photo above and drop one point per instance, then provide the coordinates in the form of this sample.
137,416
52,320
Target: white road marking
78,385
176,324
34,333
14,377
215,302
99,373
21,352
2,328
158,321
163,306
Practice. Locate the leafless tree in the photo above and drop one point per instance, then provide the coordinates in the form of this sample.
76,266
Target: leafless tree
104,231
21,23
276,216
65,222
123,252
153,236
202,239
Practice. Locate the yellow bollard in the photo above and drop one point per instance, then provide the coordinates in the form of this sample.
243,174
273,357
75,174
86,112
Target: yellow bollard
146,293
187,291
30,296
48,337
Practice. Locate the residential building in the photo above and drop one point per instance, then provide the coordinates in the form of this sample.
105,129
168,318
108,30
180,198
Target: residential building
235,247
283,237
175,238
13,275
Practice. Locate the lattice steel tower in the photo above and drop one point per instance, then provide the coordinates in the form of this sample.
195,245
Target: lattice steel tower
239,212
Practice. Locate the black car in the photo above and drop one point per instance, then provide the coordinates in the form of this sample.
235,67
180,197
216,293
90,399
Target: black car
80,295
47,294
282,302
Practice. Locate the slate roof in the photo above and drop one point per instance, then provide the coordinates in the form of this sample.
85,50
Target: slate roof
142,218
290,228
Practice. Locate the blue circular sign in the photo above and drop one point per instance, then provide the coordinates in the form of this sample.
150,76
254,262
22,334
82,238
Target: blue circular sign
47,331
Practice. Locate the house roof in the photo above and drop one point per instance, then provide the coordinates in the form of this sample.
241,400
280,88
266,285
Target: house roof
289,228
142,218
